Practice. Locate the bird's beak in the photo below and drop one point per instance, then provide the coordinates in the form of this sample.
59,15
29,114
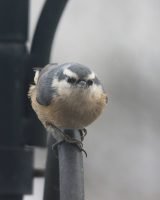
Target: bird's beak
82,84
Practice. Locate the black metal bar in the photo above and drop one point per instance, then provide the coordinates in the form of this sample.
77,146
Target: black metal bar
71,169
13,20
16,170
45,30
11,197
15,160
64,174
38,173
51,190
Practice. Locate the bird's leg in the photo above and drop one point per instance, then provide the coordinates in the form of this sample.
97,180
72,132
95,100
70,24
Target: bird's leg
81,149
83,133
64,137
67,138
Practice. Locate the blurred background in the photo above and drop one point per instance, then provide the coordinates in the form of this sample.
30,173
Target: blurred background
120,41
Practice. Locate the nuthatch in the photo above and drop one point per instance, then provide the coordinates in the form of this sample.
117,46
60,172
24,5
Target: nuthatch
67,96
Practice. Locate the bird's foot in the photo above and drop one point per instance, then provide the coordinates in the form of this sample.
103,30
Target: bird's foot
71,140
68,139
83,133
63,136
80,148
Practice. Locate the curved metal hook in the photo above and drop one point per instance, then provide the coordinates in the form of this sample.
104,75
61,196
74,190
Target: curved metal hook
45,30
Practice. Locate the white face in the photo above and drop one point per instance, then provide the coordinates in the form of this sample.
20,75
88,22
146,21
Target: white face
75,86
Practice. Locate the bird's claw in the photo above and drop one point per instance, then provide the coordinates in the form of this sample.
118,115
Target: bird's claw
68,139
54,146
82,150
76,142
83,133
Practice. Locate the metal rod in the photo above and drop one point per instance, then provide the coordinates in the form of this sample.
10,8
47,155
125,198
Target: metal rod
11,197
45,30
71,171
51,189
38,173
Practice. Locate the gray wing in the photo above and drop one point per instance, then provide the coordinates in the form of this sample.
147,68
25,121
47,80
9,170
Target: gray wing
45,91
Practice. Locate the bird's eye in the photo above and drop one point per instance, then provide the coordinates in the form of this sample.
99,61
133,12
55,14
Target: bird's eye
89,82
71,80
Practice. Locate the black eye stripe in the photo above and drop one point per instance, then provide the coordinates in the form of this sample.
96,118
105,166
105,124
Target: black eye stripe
90,82
71,80
74,80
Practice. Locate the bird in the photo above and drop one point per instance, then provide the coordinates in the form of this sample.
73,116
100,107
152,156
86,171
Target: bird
67,96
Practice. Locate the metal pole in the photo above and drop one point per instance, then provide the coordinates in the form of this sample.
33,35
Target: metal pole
11,197
16,161
71,171
51,190
45,30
